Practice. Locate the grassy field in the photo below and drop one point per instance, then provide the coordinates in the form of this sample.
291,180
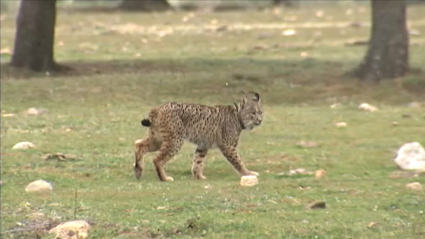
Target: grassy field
127,63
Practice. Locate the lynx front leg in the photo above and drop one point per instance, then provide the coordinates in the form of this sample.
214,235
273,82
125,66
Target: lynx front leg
198,163
143,146
235,160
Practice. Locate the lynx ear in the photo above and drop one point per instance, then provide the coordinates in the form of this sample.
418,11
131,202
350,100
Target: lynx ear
256,96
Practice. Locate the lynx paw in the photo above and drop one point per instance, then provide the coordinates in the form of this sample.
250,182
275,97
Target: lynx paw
201,177
170,179
137,172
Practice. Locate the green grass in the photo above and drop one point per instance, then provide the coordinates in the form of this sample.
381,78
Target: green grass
124,67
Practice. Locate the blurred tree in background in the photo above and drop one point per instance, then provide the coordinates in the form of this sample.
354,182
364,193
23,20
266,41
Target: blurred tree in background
388,53
387,56
144,5
35,36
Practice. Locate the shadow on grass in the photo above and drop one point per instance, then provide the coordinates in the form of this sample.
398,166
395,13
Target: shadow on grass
182,8
300,80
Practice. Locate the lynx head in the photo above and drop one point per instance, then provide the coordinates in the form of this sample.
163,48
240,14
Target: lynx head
250,112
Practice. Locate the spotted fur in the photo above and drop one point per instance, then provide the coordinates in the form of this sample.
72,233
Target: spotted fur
205,126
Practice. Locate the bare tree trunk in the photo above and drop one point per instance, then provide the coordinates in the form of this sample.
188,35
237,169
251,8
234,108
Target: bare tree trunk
145,5
287,3
34,38
388,53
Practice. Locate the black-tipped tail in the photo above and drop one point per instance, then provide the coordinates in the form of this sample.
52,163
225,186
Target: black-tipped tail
146,122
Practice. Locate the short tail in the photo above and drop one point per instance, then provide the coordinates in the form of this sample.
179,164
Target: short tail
146,122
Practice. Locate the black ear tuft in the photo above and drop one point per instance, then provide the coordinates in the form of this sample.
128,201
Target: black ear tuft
256,96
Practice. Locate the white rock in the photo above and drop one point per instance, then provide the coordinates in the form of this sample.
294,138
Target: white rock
367,107
23,145
35,111
71,230
341,124
416,186
289,32
249,180
39,186
334,106
411,156
299,171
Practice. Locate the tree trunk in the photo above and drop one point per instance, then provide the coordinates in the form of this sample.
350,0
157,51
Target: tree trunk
287,3
388,53
144,5
34,38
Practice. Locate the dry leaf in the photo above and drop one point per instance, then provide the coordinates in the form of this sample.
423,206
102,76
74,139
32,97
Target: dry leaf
316,205
371,224
308,144
416,186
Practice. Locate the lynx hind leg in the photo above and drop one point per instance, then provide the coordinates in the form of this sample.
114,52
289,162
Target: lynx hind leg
198,163
171,145
235,160
143,146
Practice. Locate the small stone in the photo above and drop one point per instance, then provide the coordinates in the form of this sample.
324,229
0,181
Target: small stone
292,172
71,230
289,32
406,116
8,115
32,111
414,105
299,171
39,186
35,111
320,173
341,124
24,145
207,186
68,130
416,186
249,180
367,107
334,106
316,205
394,123
302,171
